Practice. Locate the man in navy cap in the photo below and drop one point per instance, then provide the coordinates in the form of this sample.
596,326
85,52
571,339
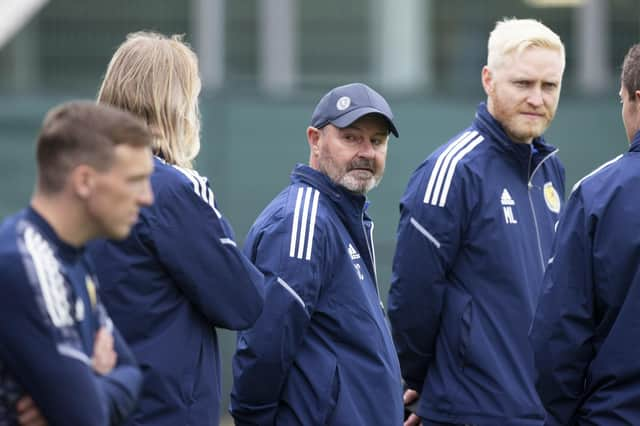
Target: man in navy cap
321,352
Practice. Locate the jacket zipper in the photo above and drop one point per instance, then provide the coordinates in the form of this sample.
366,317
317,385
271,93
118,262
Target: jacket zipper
372,257
533,210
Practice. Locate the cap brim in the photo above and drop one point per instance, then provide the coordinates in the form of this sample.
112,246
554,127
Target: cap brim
347,119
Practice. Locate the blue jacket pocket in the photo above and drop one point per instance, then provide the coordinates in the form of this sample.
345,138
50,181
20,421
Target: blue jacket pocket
456,324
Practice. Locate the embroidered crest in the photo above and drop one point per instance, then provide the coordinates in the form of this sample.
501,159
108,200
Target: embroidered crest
551,197
343,103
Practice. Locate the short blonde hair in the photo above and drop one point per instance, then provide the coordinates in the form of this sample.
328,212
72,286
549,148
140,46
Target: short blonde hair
156,78
513,35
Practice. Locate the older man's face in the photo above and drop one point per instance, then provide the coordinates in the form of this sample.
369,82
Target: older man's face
353,157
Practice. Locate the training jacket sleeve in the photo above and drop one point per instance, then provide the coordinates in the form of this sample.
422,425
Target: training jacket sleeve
122,385
58,378
266,351
196,245
432,217
562,331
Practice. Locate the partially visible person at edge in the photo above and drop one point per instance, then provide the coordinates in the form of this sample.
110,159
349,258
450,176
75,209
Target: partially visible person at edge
179,275
321,353
62,362
475,233
586,331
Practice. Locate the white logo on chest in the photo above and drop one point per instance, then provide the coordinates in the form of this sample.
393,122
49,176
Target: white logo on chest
507,207
354,255
353,252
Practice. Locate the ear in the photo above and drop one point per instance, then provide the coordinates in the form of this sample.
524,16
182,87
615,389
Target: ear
487,80
636,96
313,138
82,181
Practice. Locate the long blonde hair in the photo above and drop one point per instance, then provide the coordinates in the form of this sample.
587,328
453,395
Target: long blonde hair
156,77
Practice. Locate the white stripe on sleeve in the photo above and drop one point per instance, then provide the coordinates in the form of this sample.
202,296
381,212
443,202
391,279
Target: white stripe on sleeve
452,169
71,352
228,241
303,223
312,225
293,293
200,187
424,232
613,160
294,227
444,158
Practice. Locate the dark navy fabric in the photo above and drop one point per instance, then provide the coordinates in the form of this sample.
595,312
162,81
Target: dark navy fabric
49,314
586,331
177,277
475,233
321,353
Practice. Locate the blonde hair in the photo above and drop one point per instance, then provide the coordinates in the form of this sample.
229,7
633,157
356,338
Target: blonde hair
156,78
513,35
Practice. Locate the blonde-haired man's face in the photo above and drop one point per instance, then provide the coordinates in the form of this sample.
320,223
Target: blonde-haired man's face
523,91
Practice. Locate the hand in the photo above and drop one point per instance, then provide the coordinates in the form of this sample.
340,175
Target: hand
28,413
410,396
104,357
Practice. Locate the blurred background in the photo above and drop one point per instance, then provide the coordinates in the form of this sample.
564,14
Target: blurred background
265,64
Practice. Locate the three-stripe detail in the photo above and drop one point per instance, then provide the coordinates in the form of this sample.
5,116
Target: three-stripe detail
444,169
304,223
200,187
49,278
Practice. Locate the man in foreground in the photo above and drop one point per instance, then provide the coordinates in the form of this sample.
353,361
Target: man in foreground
61,360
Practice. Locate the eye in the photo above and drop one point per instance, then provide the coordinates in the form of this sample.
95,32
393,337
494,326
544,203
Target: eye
549,86
350,137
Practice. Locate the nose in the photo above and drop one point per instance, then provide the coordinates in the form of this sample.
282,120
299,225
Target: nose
535,97
146,195
367,150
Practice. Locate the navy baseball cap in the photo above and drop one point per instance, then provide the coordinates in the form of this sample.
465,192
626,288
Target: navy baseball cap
345,104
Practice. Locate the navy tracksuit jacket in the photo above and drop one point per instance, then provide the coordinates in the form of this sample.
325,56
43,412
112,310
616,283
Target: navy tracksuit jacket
177,277
586,333
49,314
321,353
475,233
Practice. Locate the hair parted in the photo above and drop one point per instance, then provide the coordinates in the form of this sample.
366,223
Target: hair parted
82,132
156,77
513,35
630,76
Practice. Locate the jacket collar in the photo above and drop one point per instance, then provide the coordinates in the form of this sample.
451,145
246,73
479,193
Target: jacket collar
528,155
635,143
485,121
348,201
62,249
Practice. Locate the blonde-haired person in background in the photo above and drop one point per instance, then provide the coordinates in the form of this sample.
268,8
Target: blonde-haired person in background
478,217
180,274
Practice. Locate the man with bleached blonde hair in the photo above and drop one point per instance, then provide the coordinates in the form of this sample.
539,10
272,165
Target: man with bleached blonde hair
478,218
180,274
